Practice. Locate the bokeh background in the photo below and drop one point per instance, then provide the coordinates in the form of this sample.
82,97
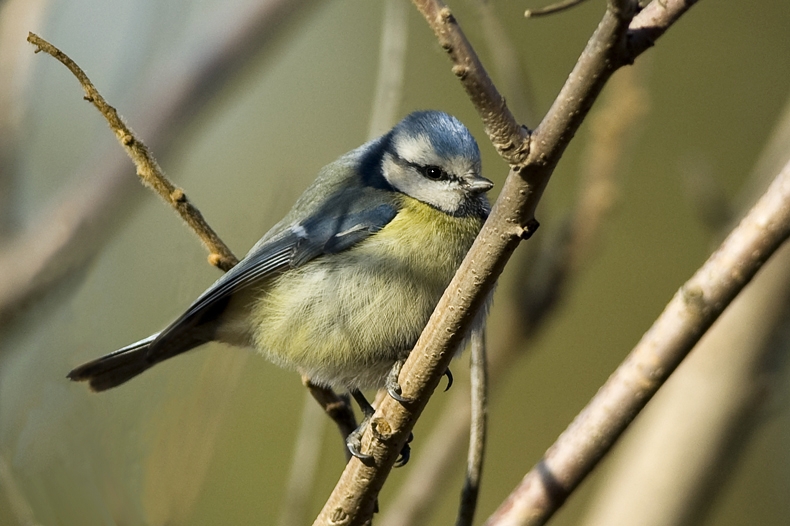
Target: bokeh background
208,438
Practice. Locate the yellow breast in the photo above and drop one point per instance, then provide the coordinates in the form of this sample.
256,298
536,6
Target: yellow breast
344,319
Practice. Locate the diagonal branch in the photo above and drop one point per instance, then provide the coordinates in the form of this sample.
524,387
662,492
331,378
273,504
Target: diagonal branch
147,167
508,137
690,313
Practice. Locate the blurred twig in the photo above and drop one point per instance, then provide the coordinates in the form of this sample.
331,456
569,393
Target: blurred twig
514,80
552,9
386,100
692,310
477,433
392,64
306,454
15,65
16,499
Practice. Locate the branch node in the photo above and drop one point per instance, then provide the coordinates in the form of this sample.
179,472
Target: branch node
460,71
177,195
529,229
338,517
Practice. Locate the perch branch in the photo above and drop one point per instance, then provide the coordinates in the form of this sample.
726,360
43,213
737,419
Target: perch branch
538,287
511,219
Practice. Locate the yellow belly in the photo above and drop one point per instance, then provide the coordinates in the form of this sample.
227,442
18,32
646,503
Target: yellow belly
344,319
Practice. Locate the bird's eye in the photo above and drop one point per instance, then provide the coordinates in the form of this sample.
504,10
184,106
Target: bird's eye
433,172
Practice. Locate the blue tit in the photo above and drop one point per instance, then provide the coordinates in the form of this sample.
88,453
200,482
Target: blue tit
341,288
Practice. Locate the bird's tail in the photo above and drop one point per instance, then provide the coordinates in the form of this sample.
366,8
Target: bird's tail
111,370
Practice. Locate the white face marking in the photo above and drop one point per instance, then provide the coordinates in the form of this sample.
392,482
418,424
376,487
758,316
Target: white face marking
445,195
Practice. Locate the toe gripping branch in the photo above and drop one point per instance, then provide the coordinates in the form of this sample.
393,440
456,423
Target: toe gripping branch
354,440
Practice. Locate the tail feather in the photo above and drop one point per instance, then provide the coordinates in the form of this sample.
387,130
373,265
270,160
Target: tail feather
116,368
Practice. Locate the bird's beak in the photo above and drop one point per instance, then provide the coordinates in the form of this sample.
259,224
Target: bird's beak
478,184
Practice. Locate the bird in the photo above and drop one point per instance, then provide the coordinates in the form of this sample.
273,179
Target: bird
341,288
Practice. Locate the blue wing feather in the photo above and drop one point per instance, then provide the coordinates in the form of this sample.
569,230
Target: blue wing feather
334,227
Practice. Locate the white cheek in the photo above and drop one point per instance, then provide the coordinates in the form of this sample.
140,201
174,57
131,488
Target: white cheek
440,194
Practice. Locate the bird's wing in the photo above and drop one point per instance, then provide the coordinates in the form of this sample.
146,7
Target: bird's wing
332,228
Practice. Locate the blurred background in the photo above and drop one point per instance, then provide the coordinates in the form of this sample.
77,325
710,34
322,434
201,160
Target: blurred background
242,102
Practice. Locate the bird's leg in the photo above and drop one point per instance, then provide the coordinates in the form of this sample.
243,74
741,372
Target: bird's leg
354,439
392,385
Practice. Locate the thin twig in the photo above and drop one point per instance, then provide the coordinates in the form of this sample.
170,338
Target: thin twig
71,229
692,310
392,64
477,431
337,407
552,8
506,134
507,64
147,168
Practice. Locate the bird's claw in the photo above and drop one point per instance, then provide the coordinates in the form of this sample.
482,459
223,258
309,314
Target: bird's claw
405,453
449,376
392,385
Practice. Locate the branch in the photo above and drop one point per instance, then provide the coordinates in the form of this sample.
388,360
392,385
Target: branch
508,137
511,219
147,167
685,446
688,315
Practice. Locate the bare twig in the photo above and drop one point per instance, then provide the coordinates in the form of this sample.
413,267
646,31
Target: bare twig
507,65
147,167
337,407
508,137
688,315
72,228
477,432
552,9
675,460
511,219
